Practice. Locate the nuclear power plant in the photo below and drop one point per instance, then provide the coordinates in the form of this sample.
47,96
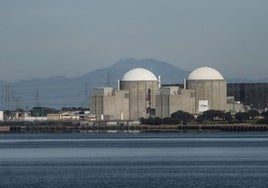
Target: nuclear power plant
140,94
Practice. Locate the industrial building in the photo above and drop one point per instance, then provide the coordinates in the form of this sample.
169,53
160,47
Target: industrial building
108,103
173,98
134,98
252,95
140,94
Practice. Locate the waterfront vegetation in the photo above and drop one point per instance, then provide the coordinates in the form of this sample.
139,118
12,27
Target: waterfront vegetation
209,117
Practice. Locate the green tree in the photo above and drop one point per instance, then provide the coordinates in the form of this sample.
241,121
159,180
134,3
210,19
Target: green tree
242,116
253,113
182,116
170,121
151,121
212,115
264,115
156,121
228,117
201,119
265,118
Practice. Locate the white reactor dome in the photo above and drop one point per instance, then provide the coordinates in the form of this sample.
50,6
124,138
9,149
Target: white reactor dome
139,74
205,73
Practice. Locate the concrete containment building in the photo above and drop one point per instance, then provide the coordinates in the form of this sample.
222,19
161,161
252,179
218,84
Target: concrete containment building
210,89
142,86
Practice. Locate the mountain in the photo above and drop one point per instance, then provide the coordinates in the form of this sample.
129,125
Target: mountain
58,92
110,75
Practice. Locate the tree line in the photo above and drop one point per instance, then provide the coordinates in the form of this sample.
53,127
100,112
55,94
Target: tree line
209,116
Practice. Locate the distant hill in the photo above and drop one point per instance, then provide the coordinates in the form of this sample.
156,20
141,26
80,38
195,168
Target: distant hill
110,75
58,92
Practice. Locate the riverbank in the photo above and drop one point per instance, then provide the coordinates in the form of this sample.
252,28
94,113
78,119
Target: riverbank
57,127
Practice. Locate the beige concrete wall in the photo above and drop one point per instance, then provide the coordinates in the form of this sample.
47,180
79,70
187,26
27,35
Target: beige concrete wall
103,91
137,96
167,104
96,104
113,106
162,105
53,117
212,90
117,105
185,102
235,107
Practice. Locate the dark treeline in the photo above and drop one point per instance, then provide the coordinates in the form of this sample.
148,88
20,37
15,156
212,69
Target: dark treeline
210,116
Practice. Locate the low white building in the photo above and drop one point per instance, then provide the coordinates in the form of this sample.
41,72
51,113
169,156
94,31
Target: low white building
1,115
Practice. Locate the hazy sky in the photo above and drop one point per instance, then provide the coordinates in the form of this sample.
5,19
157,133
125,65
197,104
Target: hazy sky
40,39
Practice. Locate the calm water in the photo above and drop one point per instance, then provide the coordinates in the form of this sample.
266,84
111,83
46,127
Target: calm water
134,160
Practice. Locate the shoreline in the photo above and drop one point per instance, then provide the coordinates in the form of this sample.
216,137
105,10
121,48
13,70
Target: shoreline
61,127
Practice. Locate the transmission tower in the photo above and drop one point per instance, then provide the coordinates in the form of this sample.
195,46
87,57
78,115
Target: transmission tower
37,98
7,97
108,80
86,95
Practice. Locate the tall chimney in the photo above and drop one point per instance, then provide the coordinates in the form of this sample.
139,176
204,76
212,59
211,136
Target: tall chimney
159,82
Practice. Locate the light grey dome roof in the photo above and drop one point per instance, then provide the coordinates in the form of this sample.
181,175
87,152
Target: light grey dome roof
139,74
205,73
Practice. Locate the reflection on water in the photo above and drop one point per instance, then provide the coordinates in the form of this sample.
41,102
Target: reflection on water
134,160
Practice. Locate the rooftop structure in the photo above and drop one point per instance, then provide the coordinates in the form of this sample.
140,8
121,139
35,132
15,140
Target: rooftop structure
205,73
139,74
